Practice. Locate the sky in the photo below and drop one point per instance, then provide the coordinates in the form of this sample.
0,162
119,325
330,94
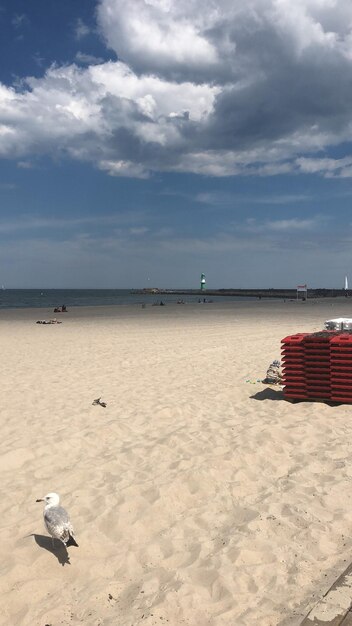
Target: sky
145,142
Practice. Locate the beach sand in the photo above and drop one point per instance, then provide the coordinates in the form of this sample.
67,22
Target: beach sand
198,498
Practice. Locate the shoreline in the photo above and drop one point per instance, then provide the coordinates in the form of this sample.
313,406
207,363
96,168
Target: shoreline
297,308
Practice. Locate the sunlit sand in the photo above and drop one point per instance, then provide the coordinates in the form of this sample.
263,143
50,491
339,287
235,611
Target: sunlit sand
199,495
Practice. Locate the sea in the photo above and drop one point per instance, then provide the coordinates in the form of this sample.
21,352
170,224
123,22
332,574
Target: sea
44,298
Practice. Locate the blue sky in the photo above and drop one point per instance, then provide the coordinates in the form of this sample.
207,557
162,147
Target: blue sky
143,143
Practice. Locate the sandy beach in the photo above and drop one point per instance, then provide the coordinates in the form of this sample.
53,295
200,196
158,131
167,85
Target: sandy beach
199,496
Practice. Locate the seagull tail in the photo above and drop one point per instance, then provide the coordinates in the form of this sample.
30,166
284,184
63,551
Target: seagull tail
72,541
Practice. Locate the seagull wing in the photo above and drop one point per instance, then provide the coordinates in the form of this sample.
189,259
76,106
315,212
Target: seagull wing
58,523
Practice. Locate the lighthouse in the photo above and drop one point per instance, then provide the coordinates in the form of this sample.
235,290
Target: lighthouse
202,282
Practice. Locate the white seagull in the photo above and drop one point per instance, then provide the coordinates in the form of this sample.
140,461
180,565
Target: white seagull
56,520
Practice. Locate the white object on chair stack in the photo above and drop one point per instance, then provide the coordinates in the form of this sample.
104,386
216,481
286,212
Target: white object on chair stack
339,323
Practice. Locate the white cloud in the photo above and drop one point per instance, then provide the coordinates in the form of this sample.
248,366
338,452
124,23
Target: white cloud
329,168
216,198
80,111
141,230
217,88
81,29
19,20
159,35
123,168
154,97
88,59
191,35
25,165
291,224
122,220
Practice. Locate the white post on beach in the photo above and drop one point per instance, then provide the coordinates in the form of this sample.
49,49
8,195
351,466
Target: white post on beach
202,282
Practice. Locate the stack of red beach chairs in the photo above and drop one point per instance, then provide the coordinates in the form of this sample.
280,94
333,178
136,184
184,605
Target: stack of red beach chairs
318,366
341,367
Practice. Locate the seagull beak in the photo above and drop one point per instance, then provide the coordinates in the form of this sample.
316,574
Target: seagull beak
40,500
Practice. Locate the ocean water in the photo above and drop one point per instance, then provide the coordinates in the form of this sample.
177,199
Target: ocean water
44,298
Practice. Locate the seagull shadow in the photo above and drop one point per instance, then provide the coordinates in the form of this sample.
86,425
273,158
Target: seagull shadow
55,547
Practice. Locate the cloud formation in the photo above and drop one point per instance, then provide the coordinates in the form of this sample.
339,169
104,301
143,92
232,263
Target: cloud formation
81,29
218,87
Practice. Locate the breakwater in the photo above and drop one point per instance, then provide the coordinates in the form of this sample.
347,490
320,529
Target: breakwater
246,293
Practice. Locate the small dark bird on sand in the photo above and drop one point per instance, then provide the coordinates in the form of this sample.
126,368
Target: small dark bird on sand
98,401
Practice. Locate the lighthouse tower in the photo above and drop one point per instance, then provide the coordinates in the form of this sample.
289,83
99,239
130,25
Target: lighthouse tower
202,282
